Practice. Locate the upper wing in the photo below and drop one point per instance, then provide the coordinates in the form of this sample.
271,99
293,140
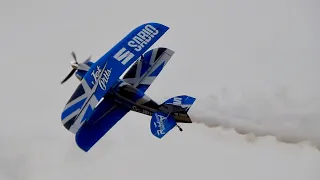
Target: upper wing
106,71
145,71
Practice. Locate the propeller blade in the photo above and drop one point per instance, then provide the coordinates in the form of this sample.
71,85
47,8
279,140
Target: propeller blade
74,57
69,75
88,59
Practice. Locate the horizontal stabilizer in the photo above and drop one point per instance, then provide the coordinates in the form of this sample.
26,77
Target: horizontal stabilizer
179,103
161,124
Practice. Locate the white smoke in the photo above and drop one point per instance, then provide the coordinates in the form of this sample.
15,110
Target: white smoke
287,119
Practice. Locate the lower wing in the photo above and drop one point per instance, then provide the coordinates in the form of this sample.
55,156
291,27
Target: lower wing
106,115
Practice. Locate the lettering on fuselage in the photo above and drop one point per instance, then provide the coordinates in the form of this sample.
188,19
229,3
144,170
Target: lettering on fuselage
104,77
140,110
137,42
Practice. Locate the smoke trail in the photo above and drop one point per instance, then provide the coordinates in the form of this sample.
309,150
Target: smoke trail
287,119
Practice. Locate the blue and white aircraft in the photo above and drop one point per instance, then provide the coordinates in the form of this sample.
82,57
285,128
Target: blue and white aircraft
102,98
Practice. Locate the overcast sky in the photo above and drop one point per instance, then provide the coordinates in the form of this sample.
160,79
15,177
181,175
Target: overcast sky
257,61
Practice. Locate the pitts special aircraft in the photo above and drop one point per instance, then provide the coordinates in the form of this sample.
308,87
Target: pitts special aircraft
102,98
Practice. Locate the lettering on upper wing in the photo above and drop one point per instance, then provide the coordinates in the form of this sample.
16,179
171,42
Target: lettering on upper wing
104,78
142,38
123,55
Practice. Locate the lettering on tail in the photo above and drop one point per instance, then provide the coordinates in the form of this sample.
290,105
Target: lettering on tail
160,124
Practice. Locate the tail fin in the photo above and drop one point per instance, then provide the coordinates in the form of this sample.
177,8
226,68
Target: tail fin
161,124
173,110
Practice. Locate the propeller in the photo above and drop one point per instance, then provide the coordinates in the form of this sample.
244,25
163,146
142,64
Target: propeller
74,65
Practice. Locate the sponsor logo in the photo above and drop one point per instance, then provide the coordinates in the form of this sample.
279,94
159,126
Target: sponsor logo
124,56
160,124
137,42
177,101
104,77
143,37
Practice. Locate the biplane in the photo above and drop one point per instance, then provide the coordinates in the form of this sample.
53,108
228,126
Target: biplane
103,98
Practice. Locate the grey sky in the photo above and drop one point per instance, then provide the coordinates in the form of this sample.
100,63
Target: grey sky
254,60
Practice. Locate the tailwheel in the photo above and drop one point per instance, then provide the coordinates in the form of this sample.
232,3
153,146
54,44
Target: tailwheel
179,128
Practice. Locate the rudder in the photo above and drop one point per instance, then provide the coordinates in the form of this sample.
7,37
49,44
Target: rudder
161,124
